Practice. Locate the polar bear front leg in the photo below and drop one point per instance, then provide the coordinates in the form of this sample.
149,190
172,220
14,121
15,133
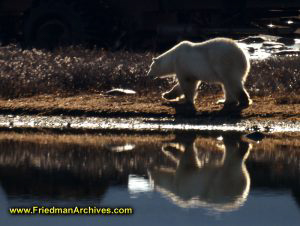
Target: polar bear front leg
244,99
174,94
188,87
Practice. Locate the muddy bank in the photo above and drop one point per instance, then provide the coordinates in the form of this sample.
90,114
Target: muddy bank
150,112
275,106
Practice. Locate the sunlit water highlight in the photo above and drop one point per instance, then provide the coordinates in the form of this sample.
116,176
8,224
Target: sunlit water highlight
139,124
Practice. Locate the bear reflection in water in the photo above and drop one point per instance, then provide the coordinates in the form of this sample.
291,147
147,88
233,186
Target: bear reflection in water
221,185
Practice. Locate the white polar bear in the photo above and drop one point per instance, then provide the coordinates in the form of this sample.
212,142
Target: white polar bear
218,60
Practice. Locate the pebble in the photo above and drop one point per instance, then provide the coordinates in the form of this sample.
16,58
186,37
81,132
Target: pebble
253,39
256,136
286,41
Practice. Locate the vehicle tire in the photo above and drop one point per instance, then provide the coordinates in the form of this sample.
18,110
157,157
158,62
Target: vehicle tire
50,23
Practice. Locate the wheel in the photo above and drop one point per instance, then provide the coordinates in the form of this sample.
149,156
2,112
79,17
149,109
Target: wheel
52,23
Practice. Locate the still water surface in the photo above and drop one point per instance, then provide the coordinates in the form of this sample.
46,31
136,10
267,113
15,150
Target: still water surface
207,178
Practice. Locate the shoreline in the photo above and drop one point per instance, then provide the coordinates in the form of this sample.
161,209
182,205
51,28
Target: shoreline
135,112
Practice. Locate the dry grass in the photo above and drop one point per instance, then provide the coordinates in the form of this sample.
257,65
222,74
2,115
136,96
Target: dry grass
70,71
275,75
76,70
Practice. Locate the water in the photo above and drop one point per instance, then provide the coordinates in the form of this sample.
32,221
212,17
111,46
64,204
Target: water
146,124
178,178
270,48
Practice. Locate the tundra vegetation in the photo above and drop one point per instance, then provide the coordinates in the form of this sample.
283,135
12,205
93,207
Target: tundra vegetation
74,70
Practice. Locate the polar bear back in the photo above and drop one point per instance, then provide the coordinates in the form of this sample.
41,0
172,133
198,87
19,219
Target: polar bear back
212,61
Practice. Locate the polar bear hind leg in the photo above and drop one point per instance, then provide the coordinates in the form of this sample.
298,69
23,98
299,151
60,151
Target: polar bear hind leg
235,95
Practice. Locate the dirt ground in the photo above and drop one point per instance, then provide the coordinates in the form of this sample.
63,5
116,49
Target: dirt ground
270,108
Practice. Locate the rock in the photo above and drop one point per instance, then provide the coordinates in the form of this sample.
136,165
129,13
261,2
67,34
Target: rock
268,128
251,49
286,41
119,92
253,39
272,44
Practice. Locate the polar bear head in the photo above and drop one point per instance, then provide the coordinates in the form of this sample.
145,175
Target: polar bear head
163,65
155,68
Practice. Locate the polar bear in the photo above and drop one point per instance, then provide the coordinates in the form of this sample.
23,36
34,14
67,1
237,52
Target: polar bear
219,60
221,185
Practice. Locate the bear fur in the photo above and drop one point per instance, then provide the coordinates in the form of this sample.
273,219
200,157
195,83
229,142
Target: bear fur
218,60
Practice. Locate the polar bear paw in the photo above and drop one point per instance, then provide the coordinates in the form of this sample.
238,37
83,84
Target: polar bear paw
171,96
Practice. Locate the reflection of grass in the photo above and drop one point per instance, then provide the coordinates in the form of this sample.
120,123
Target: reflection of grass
89,140
59,151
75,69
